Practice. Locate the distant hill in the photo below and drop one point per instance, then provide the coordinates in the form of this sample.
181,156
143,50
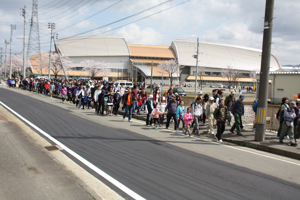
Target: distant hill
290,65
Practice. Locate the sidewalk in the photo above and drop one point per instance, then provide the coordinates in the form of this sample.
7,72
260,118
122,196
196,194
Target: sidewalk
271,143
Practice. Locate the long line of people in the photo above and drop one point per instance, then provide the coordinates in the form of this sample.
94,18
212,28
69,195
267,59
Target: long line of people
215,110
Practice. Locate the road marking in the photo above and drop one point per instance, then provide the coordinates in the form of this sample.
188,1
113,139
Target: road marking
84,161
236,148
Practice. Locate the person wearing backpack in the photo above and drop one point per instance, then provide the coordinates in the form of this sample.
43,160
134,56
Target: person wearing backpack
288,124
149,108
280,113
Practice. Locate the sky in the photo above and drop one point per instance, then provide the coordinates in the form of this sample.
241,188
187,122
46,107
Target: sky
158,22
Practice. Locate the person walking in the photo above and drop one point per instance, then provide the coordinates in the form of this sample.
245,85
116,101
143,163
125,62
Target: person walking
221,115
135,99
205,101
63,93
162,110
188,118
284,104
117,99
210,109
296,122
197,112
288,124
155,116
128,101
149,107
100,103
229,100
172,109
180,115
237,110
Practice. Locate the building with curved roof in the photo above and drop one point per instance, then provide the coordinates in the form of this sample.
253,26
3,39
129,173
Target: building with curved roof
109,49
216,57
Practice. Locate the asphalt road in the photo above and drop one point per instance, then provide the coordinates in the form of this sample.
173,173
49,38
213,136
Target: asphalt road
150,167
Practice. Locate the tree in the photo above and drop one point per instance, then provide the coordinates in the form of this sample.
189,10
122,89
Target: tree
171,67
56,63
16,64
95,68
231,74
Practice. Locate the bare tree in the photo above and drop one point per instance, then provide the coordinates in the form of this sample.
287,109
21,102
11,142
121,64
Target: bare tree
201,73
231,74
171,67
95,68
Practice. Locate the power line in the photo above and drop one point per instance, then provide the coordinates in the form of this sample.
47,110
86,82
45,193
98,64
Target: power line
91,15
69,11
82,38
122,19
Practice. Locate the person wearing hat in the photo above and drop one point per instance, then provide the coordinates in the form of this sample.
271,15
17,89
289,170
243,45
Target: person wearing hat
199,95
210,109
149,107
237,110
288,124
229,100
219,97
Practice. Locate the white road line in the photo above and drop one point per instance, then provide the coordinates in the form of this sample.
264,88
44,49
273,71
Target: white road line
236,148
84,161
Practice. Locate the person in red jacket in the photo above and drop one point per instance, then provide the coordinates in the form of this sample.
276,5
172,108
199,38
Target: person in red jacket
46,88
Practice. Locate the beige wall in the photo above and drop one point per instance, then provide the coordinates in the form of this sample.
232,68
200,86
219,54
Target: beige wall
283,85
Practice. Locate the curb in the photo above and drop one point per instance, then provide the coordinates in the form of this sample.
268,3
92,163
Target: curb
259,146
249,143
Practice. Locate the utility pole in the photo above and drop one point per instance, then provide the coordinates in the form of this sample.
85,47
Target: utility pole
58,52
151,77
24,55
12,27
6,43
196,56
264,73
50,26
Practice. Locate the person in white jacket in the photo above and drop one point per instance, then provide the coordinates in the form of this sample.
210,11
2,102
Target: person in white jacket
210,109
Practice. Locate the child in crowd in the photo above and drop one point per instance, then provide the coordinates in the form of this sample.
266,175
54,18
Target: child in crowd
162,109
155,116
85,100
188,118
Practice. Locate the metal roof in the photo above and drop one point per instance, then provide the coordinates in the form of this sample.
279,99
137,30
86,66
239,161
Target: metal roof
93,46
215,55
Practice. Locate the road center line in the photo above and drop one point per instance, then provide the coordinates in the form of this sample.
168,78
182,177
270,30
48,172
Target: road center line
81,159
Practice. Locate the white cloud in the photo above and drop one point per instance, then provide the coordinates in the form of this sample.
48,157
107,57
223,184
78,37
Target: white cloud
133,34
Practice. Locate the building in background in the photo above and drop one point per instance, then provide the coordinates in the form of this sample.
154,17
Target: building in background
133,62
215,58
141,59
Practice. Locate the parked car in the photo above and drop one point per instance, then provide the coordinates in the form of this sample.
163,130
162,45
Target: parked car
212,86
125,83
179,90
153,86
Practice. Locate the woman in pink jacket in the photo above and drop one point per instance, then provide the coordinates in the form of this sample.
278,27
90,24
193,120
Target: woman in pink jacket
188,118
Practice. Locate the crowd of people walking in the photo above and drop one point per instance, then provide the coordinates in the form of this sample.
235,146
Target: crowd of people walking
214,111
